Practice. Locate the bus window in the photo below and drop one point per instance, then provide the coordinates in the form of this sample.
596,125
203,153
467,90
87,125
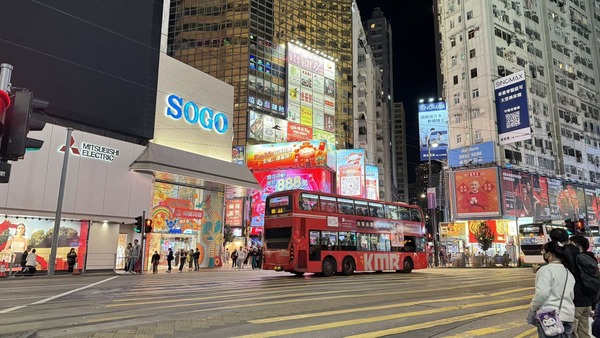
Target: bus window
415,215
376,209
329,240
404,214
348,241
328,204
391,211
314,246
362,208
309,202
345,206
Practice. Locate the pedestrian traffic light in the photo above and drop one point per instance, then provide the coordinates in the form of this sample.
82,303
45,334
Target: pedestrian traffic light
580,226
139,223
570,226
23,116
148,225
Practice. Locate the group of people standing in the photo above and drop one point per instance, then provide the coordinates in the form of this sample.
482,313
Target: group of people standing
239,258
559,284
133,255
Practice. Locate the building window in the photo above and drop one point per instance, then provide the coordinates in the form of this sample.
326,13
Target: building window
475,93
473,73
455,79
456,98
469,15
453,60
472,53
471,34
452,42
458,138
478,135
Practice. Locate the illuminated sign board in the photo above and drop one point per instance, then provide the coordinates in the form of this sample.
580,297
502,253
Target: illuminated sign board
192,114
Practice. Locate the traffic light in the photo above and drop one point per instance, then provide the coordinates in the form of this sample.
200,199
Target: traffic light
4,104
148,225
580,226
22,117
570,226
139,223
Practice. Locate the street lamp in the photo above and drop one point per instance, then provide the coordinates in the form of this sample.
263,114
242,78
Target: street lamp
431,202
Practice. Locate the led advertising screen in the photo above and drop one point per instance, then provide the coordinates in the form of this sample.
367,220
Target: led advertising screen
473,154
351,172
17,234
525,195
313,179
592,201
263,127
476,193
310,90
512,112
286,155
372,181
433,130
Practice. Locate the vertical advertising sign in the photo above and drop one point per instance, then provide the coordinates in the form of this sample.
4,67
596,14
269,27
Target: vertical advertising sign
310,92
476,193
433,130
525,195
592,201
431,198
372,181
238,155
512,112
351,172
234,212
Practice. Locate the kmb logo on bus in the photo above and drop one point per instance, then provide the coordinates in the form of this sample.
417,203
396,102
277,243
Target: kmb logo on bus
374,262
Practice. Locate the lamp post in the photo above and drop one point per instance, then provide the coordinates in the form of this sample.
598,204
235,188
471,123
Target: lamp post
432,203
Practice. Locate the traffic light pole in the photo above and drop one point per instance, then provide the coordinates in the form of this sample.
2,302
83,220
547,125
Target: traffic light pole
59,204
143,253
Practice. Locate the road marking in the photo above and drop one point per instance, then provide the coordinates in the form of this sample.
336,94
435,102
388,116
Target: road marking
42,301
528,333
346,323
489,330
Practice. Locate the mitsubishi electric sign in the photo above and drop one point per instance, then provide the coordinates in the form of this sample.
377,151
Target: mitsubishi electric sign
91,151
194,111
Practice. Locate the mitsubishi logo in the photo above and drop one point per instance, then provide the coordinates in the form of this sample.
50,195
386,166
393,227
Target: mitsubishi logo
74,150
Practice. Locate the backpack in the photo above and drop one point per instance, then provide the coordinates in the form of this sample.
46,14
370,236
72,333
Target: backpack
590,276
234,255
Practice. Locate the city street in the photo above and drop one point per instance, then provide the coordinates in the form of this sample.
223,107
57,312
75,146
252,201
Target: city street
442,302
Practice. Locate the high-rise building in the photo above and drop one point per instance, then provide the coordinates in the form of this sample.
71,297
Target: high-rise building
244,42
379,36
400,149
557,45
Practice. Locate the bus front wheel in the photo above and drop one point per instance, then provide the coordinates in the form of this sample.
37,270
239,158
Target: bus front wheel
408,265
348,266
328,268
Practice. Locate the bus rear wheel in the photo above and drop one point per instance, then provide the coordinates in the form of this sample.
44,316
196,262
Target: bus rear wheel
348,266
328,268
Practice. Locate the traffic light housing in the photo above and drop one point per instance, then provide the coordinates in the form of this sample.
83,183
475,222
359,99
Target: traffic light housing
570,226
139,223
148,225
580,226
22,117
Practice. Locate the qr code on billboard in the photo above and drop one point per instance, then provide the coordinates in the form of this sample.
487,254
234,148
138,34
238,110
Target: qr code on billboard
513,120
350,185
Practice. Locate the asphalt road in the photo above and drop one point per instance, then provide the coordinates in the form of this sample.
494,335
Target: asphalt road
443,302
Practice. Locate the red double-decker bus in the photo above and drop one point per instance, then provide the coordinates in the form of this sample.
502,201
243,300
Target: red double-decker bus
307,231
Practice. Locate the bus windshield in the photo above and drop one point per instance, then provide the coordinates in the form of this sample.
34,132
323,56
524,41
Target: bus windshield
532,237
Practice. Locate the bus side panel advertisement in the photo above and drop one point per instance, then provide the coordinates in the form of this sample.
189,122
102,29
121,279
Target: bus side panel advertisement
17,234
592,201
525,195
476,193
313,179
351,172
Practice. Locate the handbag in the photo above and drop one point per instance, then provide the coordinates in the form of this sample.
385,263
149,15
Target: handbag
549,319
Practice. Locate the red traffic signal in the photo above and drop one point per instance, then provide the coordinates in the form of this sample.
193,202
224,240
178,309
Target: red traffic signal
4,101
148,225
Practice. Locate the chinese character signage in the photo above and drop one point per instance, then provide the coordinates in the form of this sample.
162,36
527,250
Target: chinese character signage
433,130
476,193
351,172
512,112
234,212
286,155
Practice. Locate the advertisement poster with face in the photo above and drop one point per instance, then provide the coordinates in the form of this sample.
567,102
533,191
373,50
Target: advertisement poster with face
571,201
525,195
592,201
18,234
476,193
313,179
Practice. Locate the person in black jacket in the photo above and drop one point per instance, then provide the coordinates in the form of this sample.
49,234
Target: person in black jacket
170,258
585,299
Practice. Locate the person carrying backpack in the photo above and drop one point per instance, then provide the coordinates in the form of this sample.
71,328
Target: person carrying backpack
587,285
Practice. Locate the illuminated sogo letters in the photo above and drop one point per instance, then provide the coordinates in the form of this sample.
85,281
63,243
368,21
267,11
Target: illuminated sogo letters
190,111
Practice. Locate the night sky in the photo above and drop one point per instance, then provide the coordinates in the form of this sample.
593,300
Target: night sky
414,60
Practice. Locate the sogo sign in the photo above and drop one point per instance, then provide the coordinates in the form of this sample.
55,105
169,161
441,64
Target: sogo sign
192,114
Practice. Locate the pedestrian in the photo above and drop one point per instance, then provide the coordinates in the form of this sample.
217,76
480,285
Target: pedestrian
246,255
190,259
155,260
177,258
259,257
31,263
24,260
254,257
128,252
240,259
71,259
226,256
585,299
505,259
554,288
196,257
234,256
182,257
135,256
169,259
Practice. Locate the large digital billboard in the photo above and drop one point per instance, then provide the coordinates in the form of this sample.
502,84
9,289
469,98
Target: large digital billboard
372,182
287,155
475,193
433,130
310,91
351,172
525,195
313,179
512,112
